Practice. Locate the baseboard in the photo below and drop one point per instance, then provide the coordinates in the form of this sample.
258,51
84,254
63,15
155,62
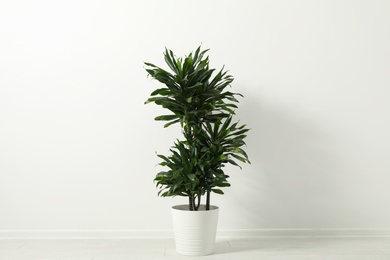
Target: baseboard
253,233
222,233
84,234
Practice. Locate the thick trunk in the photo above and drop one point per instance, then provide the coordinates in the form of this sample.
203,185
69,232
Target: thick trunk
208,200
198,204
191,203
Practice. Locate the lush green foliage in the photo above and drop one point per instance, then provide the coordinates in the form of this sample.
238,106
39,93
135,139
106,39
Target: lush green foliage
204,108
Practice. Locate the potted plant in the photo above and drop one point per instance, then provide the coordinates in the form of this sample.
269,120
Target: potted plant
199,102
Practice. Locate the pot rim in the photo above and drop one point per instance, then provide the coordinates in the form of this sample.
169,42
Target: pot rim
202,208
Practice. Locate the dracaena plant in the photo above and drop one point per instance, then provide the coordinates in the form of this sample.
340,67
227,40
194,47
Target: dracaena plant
199,102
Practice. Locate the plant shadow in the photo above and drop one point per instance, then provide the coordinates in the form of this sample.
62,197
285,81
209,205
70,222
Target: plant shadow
295,175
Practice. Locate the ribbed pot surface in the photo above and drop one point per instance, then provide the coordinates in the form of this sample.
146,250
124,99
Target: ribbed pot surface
194,231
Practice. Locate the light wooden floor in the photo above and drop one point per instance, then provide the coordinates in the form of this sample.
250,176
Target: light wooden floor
226,249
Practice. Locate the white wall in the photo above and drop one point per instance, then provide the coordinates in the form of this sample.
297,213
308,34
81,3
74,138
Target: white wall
77,145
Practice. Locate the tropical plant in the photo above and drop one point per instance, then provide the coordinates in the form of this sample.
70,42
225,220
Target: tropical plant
204,108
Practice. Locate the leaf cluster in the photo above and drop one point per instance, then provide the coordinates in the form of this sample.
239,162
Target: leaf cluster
197,99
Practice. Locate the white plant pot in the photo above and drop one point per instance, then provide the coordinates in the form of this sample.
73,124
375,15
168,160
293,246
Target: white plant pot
194,231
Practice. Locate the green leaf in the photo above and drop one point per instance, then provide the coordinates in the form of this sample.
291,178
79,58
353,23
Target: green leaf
165,117
196,54
234,163
161,91
218,191
172,122
242,159
191,177
223,184
169,59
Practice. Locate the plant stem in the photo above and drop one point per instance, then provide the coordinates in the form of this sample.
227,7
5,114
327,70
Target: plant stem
191,202
208,200
197,206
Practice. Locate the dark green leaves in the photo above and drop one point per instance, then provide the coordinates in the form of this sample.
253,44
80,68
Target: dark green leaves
197,98
181,179
190,91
